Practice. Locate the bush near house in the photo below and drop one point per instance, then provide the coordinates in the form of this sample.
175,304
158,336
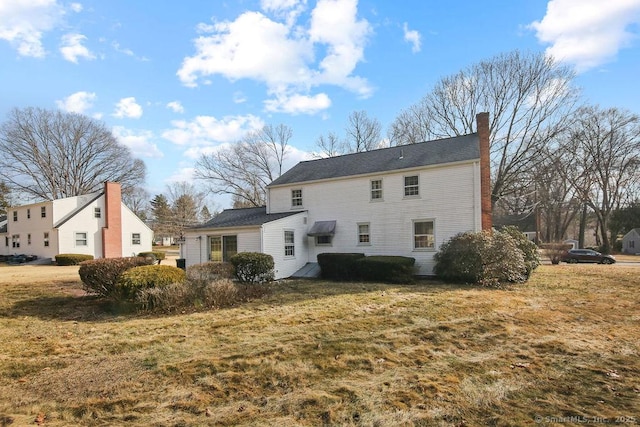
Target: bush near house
148,276
209,272
528,248
486,258
339,266
387,269
253,267
100,276
72,259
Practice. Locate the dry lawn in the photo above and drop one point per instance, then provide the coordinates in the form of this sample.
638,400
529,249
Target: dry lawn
564,347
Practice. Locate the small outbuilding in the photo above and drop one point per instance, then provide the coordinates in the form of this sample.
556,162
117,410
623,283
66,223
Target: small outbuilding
631,242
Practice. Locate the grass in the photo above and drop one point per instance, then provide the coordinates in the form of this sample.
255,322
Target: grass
566,344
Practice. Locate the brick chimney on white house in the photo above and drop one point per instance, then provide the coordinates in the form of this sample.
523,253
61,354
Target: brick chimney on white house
482,122
112,231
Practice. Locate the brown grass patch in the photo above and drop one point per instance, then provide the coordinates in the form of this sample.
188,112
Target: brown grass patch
566,344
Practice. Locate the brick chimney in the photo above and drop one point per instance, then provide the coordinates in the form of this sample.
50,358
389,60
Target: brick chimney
112,231
482,123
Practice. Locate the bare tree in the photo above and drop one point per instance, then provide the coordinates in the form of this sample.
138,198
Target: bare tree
529,98
5,198
605,145
330,146
51,155
246,168
137,199
363,133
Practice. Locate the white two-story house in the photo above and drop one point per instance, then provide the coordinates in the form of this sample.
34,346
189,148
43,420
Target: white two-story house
405,200
97,224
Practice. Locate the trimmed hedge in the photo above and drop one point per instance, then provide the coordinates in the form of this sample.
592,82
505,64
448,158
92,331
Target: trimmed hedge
100,276
388,269
253,267
148,276
72,259
339,266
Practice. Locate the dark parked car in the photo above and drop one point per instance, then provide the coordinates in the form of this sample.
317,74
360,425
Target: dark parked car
586,255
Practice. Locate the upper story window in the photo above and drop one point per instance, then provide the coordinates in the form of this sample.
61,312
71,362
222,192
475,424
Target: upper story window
28,213
97,212
81,239
376,189
43,211
29,239
289,244
423,235
411,185
135,238
15,215
296,198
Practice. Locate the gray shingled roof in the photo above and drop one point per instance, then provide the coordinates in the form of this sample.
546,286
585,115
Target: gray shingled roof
243,217
449,150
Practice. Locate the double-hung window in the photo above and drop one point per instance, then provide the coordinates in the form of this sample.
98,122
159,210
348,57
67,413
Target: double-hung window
46,239
289,244
97,213
43,211
81,239
296,198
423,234
135,238
376,189
411,186
364,238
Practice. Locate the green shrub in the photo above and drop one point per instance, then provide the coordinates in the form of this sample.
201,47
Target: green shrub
148,276
100,276
339,266
155,255
484,258
388,269
72,259
528,248
253,267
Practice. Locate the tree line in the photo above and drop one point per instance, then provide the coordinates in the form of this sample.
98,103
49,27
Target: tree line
554,157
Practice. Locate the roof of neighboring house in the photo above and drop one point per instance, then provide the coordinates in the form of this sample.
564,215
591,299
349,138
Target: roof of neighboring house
243,217
449,150
637,230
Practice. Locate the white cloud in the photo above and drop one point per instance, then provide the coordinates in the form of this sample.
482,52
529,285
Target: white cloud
175,106
129,108
138,141
413,37
588,33
281,54
76,7
186,174
239,98
24,22
78,102
72,48
298,104
208,131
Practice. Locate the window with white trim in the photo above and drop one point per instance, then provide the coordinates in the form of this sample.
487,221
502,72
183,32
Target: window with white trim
28,213
423,234
15,240
97,213
46,239
29,239
364,236
135,238
411,186
324,240
15,216
43,211
81,238
296,198
289,243
376,189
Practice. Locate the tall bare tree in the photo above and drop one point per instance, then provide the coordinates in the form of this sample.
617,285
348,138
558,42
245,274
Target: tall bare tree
330,146
137,199
605,146
529,98
50,154
245,168
5,197
363,132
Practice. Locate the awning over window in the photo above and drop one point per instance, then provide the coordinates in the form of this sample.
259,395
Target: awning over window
322,228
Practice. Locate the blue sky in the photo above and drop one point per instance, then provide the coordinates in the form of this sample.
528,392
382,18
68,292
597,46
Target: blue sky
176,79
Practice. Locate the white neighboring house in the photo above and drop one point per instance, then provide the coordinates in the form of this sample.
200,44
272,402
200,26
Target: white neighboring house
406,200
631,242
97,224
